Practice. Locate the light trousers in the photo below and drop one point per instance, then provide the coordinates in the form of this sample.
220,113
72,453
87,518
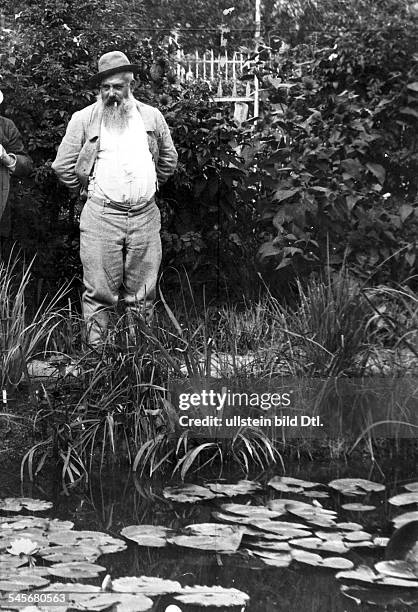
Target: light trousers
120,249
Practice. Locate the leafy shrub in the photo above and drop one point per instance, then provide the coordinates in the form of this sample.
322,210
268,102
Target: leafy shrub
337,153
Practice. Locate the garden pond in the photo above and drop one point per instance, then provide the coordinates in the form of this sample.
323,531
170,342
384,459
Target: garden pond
310,540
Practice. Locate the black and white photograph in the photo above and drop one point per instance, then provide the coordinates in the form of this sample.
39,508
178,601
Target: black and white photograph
208,305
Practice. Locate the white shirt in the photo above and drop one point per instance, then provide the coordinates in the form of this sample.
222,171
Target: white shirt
125,170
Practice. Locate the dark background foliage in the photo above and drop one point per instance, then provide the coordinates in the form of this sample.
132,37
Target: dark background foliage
328,173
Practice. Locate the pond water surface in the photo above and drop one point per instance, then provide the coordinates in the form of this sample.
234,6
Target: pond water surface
119,498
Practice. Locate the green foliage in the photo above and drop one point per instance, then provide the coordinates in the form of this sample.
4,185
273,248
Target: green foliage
210,213
199,25
338,154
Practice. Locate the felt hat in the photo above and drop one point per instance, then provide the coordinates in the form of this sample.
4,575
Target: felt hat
110,63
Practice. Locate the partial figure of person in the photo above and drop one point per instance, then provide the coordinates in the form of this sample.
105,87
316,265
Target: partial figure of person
116,153
14,161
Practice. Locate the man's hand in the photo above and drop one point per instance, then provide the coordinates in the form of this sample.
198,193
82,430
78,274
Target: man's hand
7,160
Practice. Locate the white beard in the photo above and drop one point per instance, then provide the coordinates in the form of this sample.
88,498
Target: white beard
116,116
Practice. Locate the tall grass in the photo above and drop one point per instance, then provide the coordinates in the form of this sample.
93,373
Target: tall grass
22,333
327,330
118,406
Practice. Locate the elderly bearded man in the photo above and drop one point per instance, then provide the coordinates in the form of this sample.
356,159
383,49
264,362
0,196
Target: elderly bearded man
117,152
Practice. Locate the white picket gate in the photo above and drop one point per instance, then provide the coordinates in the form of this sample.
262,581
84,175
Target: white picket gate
222,73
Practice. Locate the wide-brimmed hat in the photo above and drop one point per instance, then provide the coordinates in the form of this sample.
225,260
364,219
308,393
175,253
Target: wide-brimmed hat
112,63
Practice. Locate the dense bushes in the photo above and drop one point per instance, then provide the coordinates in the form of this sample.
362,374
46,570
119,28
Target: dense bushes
343,163
329,172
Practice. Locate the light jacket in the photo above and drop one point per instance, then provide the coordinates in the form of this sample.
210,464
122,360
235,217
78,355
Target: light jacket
11,140
79,148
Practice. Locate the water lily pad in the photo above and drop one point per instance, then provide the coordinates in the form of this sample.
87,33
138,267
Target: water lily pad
334,546
339,563
315,494
403,519
397,569
349,526
404,499
147,535
314,515
55,524
357,536
253,512
212,529
23,583
76,570
26,571
355,486
24,522
9,561
281,505
188,493
358,507
242,487
224,517
220,538
16,504
398,582
97,539
376,542
68,554
274,559
219,545
147,585
286,484
303,556
71,588
361,574
330,535
118,602
411,486
215,596
270,545
280,525
280,529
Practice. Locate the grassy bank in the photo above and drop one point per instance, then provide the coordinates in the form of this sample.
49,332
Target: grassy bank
342,347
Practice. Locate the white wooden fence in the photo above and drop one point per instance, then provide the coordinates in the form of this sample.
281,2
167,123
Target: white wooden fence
222,73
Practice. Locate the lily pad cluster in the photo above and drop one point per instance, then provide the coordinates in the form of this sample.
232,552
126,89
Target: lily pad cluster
276,534
127,594
258,532
287,484
71,554
191,493
66,553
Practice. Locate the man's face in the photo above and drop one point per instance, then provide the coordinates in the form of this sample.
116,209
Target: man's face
114,89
